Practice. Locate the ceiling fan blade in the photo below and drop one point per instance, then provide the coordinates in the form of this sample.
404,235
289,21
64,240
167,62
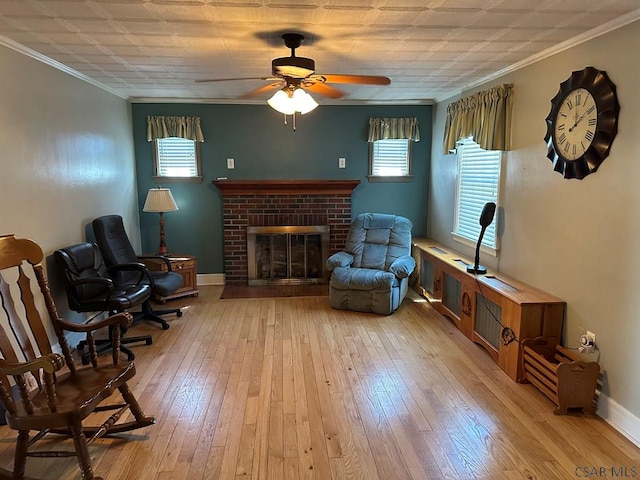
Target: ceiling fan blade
359,79
209,80
264,88
323,89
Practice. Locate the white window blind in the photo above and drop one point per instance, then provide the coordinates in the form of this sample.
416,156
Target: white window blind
390,158
176,157
478,183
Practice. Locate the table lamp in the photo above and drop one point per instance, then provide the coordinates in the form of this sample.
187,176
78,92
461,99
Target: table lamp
160,200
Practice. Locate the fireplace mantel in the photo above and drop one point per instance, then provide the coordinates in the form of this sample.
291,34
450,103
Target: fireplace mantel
293,187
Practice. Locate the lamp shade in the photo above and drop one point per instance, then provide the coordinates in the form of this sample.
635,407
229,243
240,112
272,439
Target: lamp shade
159,200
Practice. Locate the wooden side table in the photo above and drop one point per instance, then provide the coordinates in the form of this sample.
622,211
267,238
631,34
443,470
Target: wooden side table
185,265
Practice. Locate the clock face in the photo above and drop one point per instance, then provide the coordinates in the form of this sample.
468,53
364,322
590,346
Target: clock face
575,124
582,123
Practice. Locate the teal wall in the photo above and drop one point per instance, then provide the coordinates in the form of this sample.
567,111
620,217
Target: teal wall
264,148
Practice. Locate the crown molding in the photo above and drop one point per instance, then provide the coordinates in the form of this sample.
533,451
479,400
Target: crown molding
18,47
598,31
232,101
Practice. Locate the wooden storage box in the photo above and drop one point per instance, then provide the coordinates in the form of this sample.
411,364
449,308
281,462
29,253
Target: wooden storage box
560,374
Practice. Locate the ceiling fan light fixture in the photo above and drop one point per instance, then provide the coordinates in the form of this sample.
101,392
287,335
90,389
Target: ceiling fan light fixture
282,102
288,102
304,102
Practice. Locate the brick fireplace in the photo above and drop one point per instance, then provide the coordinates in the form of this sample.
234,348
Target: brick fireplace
257,203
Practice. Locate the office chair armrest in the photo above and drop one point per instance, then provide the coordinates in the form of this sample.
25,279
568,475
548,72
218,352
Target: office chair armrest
77,283
128,266
133,267
94,280
123,319
160,257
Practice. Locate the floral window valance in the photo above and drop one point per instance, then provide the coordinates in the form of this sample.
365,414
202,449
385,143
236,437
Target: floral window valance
485,116
166,126
393,128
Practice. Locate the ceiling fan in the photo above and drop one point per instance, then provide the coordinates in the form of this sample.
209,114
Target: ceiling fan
293,73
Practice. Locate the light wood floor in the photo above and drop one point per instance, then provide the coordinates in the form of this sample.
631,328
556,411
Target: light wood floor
288,388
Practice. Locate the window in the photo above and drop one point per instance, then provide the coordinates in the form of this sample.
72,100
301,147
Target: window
478,183
177,158
390,160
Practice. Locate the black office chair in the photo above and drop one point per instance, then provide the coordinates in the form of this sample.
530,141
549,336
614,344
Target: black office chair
90,288
117,250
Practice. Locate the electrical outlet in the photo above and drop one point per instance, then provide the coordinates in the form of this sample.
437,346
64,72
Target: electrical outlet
231,163
342,162
588,343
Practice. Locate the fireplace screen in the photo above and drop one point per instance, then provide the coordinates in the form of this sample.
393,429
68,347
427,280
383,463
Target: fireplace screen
287,254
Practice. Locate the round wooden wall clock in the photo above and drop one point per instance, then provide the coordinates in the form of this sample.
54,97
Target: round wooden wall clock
582,123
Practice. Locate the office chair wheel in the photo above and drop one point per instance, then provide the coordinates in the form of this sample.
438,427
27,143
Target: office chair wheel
165,326
179,313
86,358
130,356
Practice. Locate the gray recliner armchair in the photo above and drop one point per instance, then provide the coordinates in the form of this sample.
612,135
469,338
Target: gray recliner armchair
372,273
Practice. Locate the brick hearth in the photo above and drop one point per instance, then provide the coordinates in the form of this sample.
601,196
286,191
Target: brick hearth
280,202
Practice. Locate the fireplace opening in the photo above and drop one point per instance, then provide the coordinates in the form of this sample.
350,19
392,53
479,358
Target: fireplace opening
293,255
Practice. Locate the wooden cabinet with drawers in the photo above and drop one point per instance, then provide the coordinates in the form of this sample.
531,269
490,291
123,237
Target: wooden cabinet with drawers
185,265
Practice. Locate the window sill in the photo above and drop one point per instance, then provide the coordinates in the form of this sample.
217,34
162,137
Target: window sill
177,179
377,178
493,251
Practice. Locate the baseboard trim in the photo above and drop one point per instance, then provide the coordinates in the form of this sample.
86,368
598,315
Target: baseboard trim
211,279
619,418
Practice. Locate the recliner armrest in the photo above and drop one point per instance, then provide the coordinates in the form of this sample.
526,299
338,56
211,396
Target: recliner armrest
339,259
403,266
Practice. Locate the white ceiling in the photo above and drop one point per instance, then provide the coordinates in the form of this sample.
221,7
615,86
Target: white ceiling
154,50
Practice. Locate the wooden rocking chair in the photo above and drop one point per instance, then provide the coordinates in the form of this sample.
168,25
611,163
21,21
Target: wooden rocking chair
50,394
